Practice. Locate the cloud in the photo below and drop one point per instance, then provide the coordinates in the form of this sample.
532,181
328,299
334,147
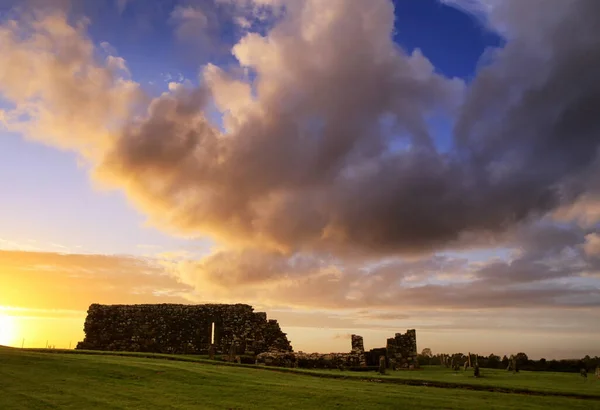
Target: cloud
207,29
480,9
592,244
44,280
585,212
306,163
544,273
300,171
191,23
326,163
60,93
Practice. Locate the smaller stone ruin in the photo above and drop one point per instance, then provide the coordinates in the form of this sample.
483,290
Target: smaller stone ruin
358,348
402,350
400,353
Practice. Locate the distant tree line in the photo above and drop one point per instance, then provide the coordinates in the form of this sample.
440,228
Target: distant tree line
426,358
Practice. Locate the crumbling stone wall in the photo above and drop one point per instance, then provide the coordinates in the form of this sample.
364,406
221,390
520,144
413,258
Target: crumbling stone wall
309,360
356,358
185,329
358,348
402,350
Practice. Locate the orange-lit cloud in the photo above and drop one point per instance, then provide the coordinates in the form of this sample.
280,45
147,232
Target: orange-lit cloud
44,280
62,95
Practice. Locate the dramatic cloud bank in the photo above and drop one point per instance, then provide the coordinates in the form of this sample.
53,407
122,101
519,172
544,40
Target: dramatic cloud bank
326,160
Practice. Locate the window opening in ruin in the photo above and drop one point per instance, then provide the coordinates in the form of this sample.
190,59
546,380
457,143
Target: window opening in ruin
212,333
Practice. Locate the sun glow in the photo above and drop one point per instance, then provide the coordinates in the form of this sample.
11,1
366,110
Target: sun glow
8,329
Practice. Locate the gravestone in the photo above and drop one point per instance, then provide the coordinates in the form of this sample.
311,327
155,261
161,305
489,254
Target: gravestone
381,364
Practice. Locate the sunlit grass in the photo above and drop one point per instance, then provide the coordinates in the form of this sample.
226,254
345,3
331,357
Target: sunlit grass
34,380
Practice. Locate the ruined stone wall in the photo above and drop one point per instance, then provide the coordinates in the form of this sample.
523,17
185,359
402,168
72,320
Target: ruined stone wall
185,329
358,348
356,358
309,360
400,353
402,350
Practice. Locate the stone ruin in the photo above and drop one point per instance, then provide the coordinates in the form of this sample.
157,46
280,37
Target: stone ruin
182,329
402,350
230,330
400,353
358,348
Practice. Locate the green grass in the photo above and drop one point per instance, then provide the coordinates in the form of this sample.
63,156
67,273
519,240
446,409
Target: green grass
36,380
532,382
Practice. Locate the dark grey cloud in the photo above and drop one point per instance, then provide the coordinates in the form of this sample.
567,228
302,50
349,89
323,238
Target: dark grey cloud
309,166
546,251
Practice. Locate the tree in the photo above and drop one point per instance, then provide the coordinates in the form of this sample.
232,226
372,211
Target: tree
505,362
493,361
522,359
542,364
427,352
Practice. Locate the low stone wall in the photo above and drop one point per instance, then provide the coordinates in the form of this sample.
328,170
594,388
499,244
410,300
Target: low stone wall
400,353
185,329
309,360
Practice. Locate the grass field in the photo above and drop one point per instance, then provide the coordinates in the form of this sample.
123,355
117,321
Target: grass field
37,380
541,382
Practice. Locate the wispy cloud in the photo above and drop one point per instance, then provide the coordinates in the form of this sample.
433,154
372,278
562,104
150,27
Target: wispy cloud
44,280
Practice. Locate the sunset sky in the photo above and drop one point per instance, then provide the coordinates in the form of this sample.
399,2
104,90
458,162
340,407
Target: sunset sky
347,166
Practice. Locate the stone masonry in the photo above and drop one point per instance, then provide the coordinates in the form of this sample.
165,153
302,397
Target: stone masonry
358,348
400,353
309,360
402,350
183,329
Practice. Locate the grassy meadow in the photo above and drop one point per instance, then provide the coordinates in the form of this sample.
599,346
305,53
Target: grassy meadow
39,380
532,382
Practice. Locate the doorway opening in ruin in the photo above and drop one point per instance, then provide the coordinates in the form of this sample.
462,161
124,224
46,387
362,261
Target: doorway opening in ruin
212,333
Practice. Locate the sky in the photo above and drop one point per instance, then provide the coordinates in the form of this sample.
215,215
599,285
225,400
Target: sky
345,166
